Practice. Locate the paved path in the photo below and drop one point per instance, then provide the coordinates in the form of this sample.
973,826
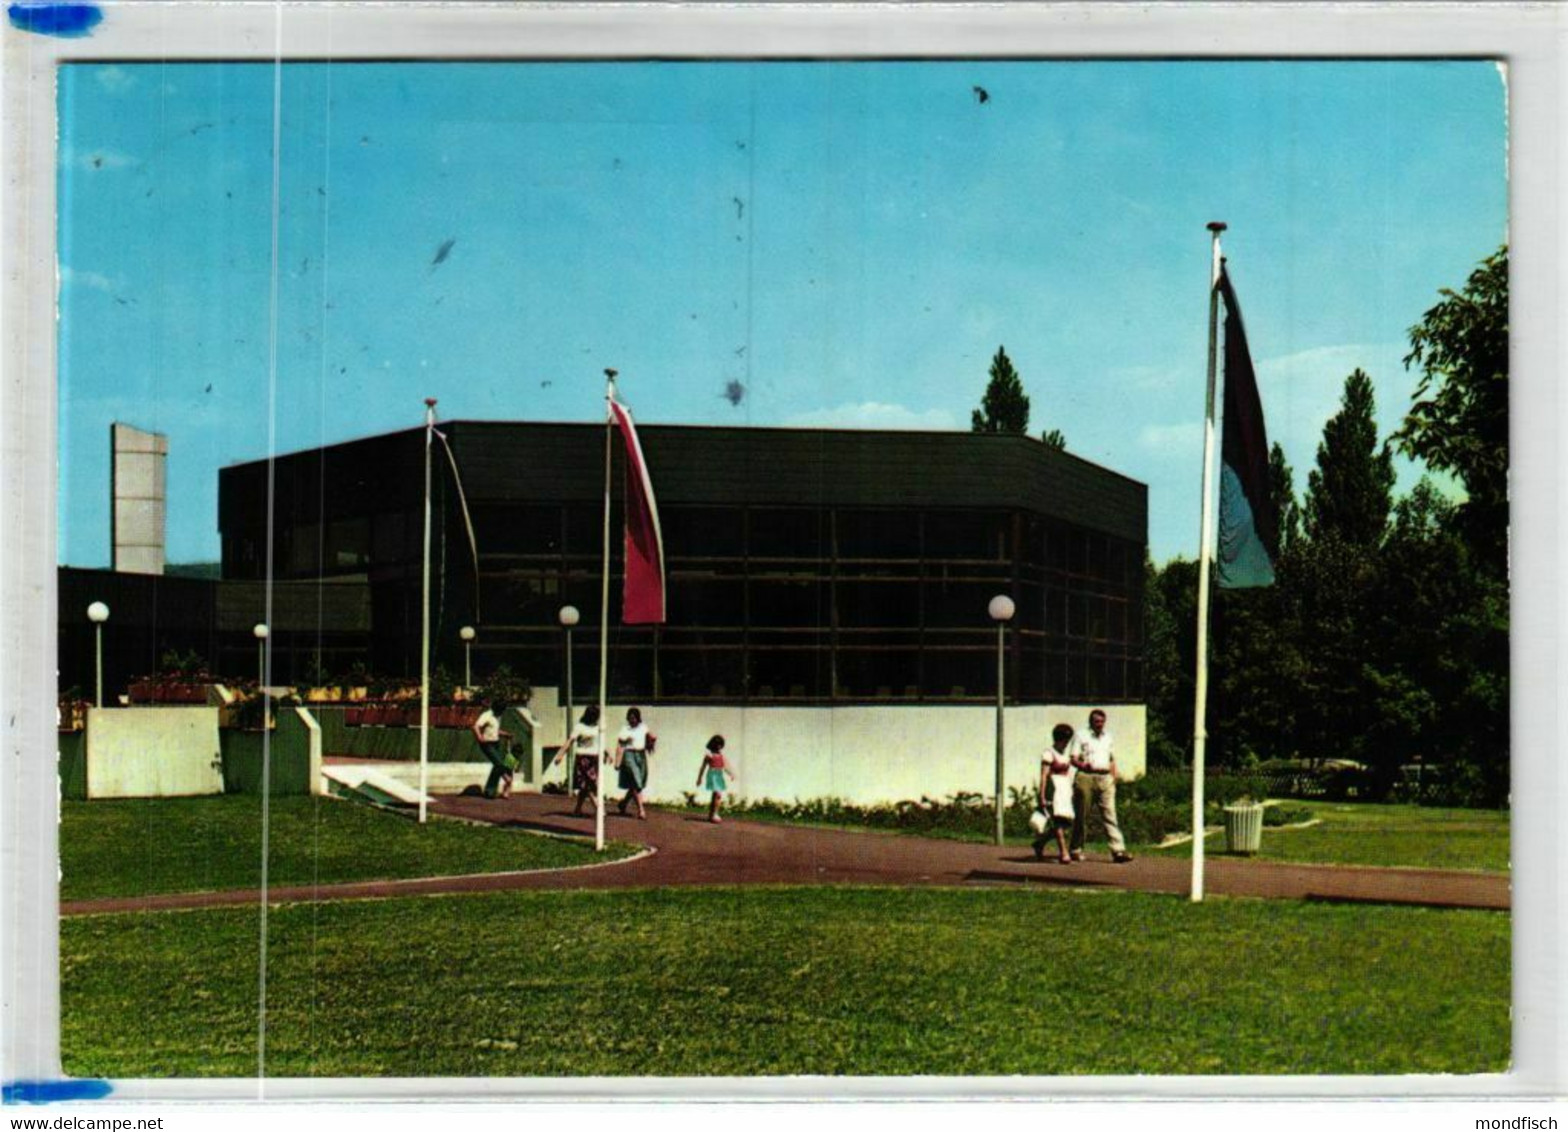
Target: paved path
689,851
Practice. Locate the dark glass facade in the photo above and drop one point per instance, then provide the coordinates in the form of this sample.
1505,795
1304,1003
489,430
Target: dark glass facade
822,567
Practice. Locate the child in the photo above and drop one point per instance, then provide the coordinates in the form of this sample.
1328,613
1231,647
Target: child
1056,792
710,776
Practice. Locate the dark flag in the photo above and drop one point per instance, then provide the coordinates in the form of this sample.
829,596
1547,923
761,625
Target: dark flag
1249,525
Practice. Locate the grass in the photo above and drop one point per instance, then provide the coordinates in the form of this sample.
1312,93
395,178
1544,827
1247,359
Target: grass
726,981
141,847
1393,835
1389,835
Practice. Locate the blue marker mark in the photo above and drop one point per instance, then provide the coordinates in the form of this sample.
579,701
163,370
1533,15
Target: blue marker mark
69,21
47,1092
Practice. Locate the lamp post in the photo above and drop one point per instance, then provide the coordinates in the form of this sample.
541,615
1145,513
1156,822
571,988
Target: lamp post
1001,610
468,635
260,633
568,617
98,613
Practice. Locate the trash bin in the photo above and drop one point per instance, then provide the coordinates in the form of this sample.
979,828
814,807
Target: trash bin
1244,827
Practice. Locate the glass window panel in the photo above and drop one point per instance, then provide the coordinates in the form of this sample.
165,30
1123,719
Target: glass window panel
1056,611
802,604
1099,556
1117,611
513,528
955,674
788,673
304,544
1077,551
700,671
389,537
878,674
703,532
1074,680
1077,615
786,533
878,534
348,545
522,597
1030,613
706,601
630,672
959,605
875,604
966,534
585,529
1056,546
1099,622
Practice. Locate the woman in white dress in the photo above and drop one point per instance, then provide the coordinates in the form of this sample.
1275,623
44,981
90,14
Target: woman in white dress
583,743
632,747
1056,793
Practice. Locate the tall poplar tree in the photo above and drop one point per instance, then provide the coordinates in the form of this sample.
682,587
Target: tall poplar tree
1350,492
1282,487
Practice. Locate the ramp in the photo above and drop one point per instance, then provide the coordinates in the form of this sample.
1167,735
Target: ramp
368,782
398,780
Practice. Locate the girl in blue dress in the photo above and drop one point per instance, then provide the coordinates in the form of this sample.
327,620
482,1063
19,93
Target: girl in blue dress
711,776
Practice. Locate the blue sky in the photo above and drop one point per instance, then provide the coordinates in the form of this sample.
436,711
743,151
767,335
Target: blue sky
851,242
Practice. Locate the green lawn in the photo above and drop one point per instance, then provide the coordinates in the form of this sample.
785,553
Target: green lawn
1391,835
1346,834
790,981
139,847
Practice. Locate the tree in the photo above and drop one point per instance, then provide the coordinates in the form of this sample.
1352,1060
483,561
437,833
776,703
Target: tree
1350,492
1054,440
1459,420
1005,406
1168,599
1282,489
1436,656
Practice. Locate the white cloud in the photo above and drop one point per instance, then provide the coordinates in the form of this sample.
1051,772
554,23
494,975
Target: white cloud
73,278
1184,437
874,415
114,80
1301,391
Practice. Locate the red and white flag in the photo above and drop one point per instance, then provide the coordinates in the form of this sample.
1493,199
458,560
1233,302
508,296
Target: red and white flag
642,600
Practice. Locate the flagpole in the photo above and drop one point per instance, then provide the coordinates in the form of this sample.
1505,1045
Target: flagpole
424,624
604,612
1200,732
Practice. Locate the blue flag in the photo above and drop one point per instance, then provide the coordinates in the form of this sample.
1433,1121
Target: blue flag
1249,525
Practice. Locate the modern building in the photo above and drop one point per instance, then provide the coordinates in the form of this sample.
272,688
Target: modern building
804,566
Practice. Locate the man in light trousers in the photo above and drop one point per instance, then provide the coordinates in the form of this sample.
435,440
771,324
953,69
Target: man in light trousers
1095,785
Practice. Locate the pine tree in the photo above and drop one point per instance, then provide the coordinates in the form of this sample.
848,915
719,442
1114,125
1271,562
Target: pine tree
1054,440
1005,406
1351,491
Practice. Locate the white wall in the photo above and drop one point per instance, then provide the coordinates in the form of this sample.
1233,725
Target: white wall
153,752
866,754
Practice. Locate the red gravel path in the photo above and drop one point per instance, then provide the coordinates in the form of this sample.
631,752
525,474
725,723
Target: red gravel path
689,851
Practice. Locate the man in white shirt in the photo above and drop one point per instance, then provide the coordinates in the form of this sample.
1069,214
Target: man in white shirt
488,734
1095,785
